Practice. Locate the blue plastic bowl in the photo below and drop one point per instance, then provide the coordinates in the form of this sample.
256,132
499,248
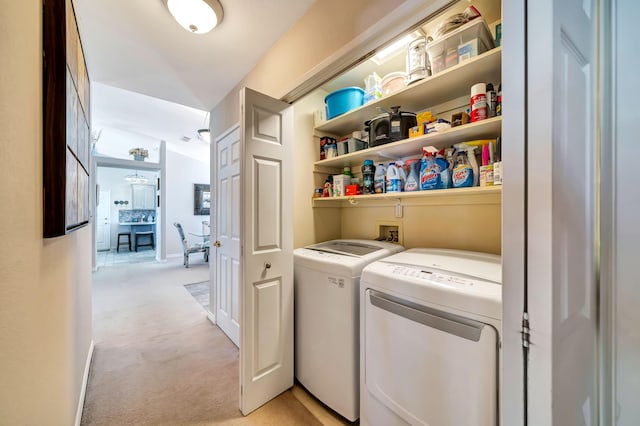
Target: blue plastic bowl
343,100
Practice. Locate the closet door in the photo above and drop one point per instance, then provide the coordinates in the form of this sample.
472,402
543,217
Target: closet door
266,289
561,212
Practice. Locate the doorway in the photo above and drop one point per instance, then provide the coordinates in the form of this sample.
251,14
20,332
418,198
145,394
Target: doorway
126,216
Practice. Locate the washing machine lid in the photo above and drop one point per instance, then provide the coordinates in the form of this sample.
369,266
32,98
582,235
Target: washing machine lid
357,248
470,264
344,258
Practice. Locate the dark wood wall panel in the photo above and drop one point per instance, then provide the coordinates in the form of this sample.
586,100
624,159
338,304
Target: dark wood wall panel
67,131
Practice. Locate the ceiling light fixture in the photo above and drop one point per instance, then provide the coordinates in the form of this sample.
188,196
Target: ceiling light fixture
196,16
204,135
136,178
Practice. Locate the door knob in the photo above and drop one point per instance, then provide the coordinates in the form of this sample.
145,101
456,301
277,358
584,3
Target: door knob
217,244
267,265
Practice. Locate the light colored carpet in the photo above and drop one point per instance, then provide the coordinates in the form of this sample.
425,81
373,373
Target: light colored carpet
159,361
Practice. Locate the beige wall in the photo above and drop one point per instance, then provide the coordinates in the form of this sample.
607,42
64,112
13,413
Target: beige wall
326,27
310,225
45,285
462,227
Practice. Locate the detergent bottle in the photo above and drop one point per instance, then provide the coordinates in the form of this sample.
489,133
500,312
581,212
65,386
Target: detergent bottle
368,175
413,179
402,173
393,178
379,179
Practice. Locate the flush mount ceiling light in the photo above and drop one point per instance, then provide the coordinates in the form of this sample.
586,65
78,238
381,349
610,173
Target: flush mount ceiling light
196,16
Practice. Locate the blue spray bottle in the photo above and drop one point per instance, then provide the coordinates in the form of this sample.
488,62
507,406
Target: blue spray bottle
462,172
429,169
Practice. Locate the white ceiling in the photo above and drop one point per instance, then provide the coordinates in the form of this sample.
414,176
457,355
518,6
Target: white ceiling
127,120
138,46
152,80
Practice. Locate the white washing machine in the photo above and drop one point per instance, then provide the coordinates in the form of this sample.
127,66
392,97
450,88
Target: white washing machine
430,339
326,289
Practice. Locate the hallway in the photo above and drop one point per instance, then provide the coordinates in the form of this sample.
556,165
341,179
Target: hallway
159,361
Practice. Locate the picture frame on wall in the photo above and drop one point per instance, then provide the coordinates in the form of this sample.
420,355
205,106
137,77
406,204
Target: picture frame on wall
67,123
201,199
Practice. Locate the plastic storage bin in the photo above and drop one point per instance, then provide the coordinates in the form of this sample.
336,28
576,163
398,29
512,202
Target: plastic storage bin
343,100
471,39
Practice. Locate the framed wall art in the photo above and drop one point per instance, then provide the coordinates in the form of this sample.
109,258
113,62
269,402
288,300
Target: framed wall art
66,127
201,199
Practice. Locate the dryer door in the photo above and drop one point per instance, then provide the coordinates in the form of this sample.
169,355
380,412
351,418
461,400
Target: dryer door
427,367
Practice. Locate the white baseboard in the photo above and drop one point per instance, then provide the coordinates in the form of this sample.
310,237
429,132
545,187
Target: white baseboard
212,317
83,389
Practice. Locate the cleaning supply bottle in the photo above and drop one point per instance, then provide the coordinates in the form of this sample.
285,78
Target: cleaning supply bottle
445,176
486,170
347,171
497,165
499,100
393,178
462,172
401,173
451,159
429,170
478,104
368,175
413,178
491,100
471,158
379,179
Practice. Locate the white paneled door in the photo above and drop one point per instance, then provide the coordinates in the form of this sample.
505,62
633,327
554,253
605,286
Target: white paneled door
562,205
266,291
103,221
227,254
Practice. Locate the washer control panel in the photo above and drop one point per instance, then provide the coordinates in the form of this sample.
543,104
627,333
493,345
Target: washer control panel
433,277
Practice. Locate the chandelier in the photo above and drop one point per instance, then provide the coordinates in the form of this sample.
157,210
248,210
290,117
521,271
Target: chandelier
136,178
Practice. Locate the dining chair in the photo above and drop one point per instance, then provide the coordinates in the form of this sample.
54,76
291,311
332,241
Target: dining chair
189,248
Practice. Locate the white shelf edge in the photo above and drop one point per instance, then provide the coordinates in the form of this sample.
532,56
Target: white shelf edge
467,193
459,134
369,109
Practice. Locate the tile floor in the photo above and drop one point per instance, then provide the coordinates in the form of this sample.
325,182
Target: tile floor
111,257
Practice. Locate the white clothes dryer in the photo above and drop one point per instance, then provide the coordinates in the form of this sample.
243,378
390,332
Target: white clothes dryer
326,294
430,339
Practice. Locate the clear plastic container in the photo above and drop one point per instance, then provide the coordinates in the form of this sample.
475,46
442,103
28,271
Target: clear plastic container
471,39
393,82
